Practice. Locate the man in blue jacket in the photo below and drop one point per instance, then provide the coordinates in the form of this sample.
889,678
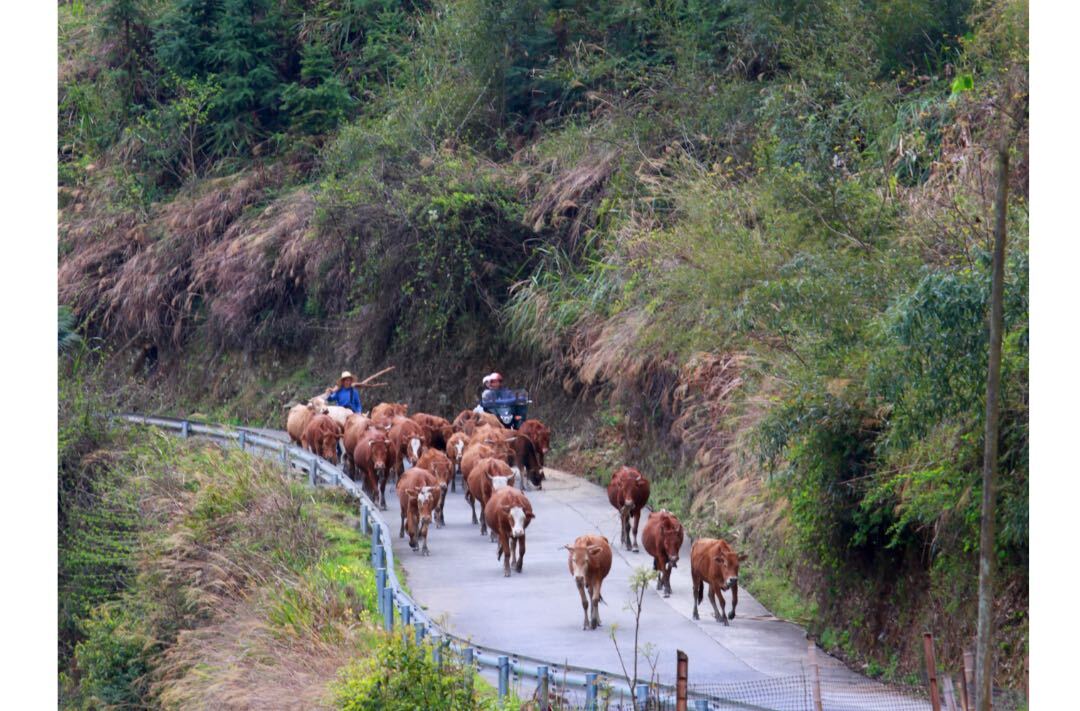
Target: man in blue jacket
344,394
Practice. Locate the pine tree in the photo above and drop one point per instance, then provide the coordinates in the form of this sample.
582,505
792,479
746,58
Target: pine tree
320,100
241,56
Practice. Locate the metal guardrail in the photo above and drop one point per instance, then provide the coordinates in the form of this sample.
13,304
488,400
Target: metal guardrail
394,601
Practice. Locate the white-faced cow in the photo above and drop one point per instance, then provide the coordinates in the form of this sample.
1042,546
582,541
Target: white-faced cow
590,562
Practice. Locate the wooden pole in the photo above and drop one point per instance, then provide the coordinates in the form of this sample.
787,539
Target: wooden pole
931,670
366,382
811,652
681,664
969,679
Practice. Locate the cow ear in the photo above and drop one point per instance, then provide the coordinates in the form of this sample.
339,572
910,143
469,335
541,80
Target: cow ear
743,556
595,550
568,547
530,516
506,509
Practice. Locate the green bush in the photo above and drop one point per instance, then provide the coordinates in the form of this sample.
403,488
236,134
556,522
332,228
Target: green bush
401,675
113,659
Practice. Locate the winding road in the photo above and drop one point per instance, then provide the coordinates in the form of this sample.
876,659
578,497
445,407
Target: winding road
538,612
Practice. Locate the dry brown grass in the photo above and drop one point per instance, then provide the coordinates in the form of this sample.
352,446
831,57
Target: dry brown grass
204,258
243,663
566,198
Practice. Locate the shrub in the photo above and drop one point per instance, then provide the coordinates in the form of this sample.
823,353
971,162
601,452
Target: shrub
402,676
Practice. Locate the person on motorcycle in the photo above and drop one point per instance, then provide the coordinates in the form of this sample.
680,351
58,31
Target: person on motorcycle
344,394
502,402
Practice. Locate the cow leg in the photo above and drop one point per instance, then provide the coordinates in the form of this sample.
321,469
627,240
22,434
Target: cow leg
637,519
734,600
506,545
698,592
401,533
423,545
521,553
454,475
624,533
584,603
594,593
483,520
472,506
718,613
667,583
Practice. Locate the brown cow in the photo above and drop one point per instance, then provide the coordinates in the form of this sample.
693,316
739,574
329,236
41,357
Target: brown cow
508,513
437,429
371,456
590,562
488,475
629,492
298,419
389,409
714,562
487,447
355,426
662,538
438,464
527,459
540,434
465,422
455,448
418,494
486,418
408,440
321,437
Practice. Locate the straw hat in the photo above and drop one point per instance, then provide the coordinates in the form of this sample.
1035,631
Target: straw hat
345,374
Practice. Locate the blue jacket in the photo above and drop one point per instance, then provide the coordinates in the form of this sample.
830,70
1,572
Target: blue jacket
345,397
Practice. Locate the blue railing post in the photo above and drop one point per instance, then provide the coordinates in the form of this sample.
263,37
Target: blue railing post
436,650
504,677
284,453
421,630
380,586
388,609
313,472
590,691
542,685
641,693
375,546
242,439
364,518
406,615
185,429
467,661
701,705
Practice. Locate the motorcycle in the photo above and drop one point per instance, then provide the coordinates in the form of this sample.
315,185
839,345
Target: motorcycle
511,407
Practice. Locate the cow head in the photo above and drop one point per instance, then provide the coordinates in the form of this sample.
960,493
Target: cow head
727,563
317,403
670,535
380,453
327,445
415,444
518,520
459,449
425,499
579,560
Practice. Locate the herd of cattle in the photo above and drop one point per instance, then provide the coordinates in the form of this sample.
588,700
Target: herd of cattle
426,454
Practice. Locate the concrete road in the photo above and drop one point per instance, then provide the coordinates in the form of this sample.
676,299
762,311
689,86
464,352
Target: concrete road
538,612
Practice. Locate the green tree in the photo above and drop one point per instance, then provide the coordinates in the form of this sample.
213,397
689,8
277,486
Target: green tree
319,101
